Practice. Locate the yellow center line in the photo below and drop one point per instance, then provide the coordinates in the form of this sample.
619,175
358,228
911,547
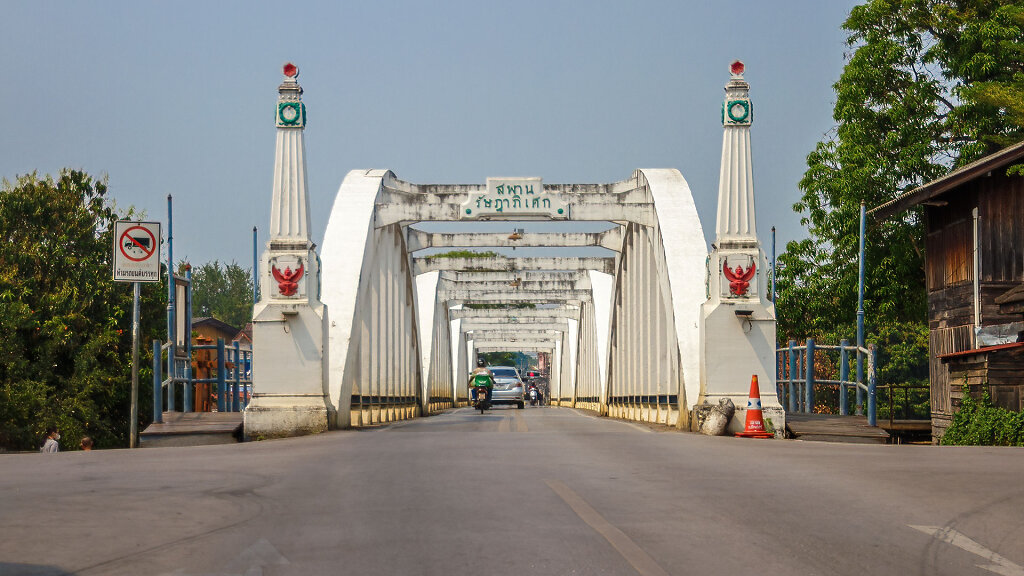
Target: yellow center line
634,554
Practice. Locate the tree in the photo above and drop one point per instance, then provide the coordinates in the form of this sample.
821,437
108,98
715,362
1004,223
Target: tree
65,326
224,293
929,86
911,105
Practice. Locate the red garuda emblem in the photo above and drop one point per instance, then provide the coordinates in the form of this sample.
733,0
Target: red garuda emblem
739,279
287,281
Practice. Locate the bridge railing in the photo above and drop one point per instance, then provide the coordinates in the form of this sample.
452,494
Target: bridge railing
233,378
798,367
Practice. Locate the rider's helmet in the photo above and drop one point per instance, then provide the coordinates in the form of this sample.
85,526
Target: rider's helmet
481,363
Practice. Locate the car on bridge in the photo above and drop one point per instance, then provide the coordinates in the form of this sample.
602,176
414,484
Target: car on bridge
508,386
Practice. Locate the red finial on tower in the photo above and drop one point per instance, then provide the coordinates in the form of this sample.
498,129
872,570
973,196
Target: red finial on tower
291,70
736,68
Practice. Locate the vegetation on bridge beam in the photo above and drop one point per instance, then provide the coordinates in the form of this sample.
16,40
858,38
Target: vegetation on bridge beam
526,327
562,311
420,240
512,296
512,275
422,265
520,286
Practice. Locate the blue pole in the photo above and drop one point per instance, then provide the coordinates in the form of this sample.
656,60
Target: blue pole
222,388
255,270
158,393
860,312
844,375
792,376
773,265
171,381
801,354
189,400
773,294
170,287
809,391
248,385
238,379
872,384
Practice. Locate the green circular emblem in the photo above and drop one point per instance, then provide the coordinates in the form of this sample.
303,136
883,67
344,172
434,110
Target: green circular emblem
560,211
739,110
289,113
468,211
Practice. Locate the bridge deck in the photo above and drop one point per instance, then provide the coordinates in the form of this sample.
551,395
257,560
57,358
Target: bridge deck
832,428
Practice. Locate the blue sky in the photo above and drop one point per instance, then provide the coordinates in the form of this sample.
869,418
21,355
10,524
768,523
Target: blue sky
179,97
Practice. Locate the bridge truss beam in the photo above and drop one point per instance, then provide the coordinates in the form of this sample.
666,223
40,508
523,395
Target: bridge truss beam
395,313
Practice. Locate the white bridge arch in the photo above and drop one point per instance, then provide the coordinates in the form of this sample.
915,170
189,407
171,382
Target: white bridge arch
622,328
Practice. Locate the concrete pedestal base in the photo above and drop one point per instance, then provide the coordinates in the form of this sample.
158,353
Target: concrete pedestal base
289,416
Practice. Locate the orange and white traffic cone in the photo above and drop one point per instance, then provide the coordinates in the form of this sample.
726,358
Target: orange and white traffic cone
754,427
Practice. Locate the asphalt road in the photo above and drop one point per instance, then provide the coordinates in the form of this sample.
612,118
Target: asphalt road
536,491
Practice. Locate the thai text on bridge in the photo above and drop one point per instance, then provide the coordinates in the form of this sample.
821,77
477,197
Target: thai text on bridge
514,197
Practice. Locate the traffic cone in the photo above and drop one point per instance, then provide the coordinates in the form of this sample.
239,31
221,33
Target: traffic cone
754,427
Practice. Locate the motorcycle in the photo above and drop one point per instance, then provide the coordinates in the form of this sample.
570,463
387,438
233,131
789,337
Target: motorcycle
482,386
534,396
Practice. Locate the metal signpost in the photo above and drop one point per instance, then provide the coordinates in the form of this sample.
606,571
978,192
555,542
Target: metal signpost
136,260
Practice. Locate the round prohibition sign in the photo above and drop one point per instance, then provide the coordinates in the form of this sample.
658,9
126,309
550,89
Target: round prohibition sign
137,243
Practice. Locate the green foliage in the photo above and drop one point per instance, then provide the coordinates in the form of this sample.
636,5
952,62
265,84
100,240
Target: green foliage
464,254
979,423
499,358
903,366
65,326
929,85
222,292
507,358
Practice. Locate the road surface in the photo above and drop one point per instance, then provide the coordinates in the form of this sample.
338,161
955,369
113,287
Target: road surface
537,491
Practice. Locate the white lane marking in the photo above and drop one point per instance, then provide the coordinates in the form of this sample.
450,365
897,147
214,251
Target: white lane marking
1001,565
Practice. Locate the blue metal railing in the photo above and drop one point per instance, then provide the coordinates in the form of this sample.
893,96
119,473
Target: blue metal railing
796,389
233,378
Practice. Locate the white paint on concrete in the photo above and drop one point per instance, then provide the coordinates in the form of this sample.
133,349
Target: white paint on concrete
667,245
738,319
348,250
290,323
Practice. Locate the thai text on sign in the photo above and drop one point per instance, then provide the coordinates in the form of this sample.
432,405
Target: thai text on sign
136,251
514,197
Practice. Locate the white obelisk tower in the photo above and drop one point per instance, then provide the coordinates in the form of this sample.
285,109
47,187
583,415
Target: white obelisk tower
737,328
290,392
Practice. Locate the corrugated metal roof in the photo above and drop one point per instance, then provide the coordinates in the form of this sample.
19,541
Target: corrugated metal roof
984,350
955,178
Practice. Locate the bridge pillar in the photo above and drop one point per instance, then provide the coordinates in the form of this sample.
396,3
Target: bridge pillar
737,325
290,392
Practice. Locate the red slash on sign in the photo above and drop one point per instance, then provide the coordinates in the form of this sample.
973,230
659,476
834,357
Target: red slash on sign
137,243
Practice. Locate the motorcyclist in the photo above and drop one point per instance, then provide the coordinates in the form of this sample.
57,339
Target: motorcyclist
534,393
481,369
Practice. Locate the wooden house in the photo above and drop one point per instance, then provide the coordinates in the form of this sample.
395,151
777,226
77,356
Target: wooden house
208,328
974,268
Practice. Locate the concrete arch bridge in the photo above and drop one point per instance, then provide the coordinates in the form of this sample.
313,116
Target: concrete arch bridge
612,280
621,326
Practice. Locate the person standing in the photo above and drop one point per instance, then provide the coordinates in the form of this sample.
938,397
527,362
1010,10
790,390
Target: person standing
86,443
51,446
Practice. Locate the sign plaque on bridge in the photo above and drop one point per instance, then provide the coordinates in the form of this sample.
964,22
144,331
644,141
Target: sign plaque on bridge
514,198
136,251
